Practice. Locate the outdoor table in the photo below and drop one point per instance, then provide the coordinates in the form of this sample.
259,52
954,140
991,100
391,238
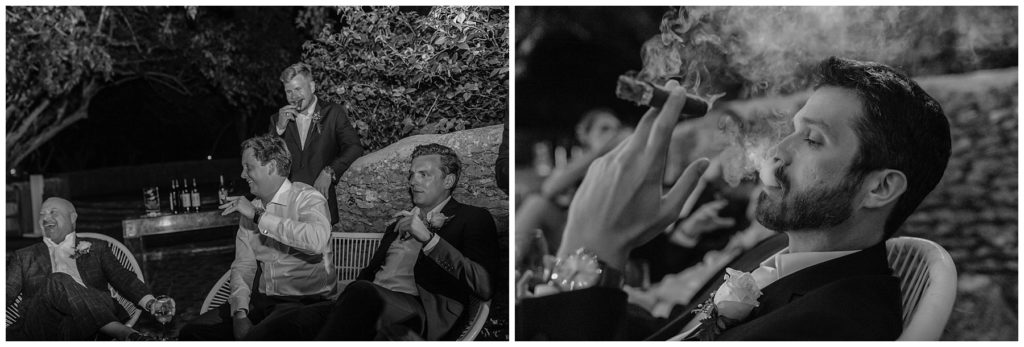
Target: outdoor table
137,228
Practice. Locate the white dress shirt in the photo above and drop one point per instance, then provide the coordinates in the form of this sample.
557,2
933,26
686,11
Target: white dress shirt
292,242
302,121
60,256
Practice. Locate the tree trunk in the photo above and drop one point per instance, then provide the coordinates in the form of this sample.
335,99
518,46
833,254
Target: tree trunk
53,118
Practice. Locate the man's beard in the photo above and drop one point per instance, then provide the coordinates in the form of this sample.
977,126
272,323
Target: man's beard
816,208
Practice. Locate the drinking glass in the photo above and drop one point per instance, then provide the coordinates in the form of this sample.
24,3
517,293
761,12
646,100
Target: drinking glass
164,312
151,199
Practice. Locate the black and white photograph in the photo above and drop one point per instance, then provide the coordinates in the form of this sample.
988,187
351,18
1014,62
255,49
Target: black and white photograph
765,173
260,173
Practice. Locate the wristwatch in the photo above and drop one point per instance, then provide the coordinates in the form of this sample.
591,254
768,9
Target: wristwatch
256,216
582,269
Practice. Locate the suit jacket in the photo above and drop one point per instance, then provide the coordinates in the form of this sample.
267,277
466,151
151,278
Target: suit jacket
335,144
28,268
853,297
462,264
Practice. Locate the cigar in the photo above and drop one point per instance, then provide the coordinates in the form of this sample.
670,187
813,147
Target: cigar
644,93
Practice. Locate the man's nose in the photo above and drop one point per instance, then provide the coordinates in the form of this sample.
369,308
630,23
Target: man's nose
780,153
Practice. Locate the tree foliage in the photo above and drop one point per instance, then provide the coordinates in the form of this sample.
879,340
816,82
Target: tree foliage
400,73
59,58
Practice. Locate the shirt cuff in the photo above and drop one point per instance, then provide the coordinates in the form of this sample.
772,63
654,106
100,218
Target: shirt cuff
145,299
239,303
267,222
279,130
429,246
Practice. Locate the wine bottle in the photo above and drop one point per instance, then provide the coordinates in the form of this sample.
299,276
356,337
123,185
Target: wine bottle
196,201
222,192
172,196
186,197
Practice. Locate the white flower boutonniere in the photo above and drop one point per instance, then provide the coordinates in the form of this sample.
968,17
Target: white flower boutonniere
316,121
436,220
728,306
82,248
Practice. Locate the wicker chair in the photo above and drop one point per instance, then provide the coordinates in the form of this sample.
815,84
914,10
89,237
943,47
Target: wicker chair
124,256
350,253
927,284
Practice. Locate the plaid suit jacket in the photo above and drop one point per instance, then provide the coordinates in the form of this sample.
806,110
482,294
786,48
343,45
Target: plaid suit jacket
28,268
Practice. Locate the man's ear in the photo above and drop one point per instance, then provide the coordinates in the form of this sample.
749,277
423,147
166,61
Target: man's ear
272,167
884,187
312,87
449,181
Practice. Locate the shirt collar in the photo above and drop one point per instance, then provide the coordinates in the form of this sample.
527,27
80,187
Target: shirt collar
308,112
279,196
69,242
786,263
436,209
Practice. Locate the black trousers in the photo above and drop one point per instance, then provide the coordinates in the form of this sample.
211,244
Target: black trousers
364,311
65,311
218,325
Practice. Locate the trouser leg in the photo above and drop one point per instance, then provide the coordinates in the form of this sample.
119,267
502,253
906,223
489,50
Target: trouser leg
364,308
67,310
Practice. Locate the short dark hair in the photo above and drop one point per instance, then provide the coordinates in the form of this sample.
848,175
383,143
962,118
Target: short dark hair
270,148
903,128
450,163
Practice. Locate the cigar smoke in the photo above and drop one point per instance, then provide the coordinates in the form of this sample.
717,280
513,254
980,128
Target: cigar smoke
750,129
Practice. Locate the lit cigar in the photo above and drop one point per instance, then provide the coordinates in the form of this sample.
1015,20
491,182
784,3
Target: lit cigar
646,94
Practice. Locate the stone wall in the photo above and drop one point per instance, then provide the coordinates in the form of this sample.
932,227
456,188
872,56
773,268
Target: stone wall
973,210
374,188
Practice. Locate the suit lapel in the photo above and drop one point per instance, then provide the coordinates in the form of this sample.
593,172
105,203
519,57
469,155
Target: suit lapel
311,134
796,285
292,137
748,261
41,265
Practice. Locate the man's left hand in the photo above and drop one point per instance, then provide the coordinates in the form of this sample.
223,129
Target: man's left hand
240,204
323,183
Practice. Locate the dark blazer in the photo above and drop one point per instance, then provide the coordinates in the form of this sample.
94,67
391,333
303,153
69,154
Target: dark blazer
462,264
336,144
853,297
28,268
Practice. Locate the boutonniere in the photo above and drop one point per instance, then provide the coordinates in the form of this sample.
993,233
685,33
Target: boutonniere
316,121
728,306
436,220
81,249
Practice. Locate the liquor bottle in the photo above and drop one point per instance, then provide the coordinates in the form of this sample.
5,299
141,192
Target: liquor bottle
186,197
172,195
196,201
222,193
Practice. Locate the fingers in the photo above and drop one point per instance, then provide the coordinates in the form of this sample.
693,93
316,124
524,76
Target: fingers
724,222
715,206
638,140
656,153
673,201
523,285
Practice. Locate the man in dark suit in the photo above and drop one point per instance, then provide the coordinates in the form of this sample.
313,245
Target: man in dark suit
63,284
868,146
454,256
318,134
